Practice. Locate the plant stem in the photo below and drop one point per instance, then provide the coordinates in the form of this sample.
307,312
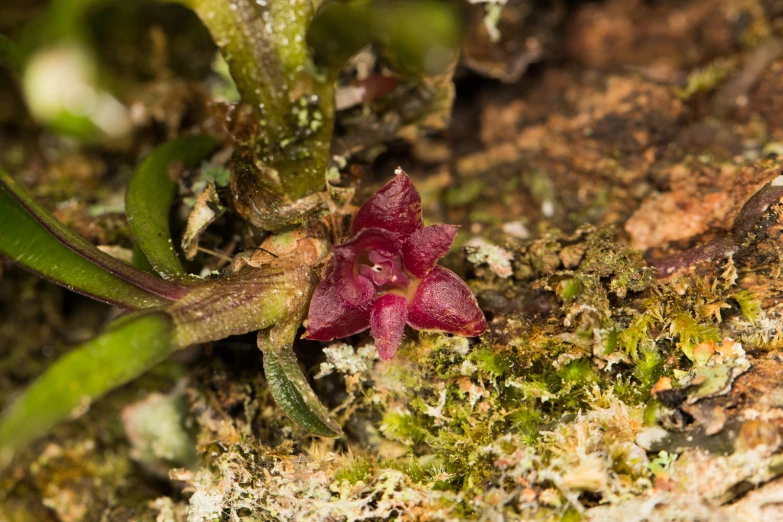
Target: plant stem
264,44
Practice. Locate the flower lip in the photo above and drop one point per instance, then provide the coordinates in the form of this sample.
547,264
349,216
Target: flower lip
354,285
379,273
383,270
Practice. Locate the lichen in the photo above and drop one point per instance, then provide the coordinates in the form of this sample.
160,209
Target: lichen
480,252
342,358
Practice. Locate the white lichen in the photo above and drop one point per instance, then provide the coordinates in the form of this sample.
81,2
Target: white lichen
341,358
481,252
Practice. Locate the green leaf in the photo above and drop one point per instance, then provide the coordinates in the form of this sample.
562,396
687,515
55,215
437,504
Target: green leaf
129,347
10,55
150,194
36,241
416,37
289,385
338,31
140,261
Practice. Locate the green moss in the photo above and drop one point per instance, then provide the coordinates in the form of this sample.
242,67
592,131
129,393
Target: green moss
652,413
707,78
418,469
460,450
568,289
626,389
487,217
625,267
527,422
571,515
579,372
492,364
637,335
443,355
404,427
750,307
648,368
464,193
355,469
691,333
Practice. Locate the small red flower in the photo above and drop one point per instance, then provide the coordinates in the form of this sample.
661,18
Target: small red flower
386,276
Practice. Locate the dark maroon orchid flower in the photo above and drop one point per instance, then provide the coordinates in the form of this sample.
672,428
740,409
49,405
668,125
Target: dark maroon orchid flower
386,276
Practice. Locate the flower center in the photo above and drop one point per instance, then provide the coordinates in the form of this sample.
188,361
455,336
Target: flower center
385,272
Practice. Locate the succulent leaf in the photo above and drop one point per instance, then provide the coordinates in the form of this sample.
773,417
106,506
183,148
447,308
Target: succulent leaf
150,194
129,347
33,239
289,385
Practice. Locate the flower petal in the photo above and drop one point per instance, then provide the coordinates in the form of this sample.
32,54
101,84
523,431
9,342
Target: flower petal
444,302
423,248
387,323
396,207
351,285
331,316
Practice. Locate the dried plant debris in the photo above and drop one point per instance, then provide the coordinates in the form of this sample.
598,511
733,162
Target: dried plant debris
504,37
206,210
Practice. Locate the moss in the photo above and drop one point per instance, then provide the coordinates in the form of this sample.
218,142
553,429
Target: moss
571,515
637,335
404,427
648,367
527,423
579,372
460,450
418,469
569,289
444,355
492,364
707,78
750,307
355,469
691,333
624,266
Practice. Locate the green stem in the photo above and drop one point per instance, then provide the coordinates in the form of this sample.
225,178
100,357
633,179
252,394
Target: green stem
264,44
